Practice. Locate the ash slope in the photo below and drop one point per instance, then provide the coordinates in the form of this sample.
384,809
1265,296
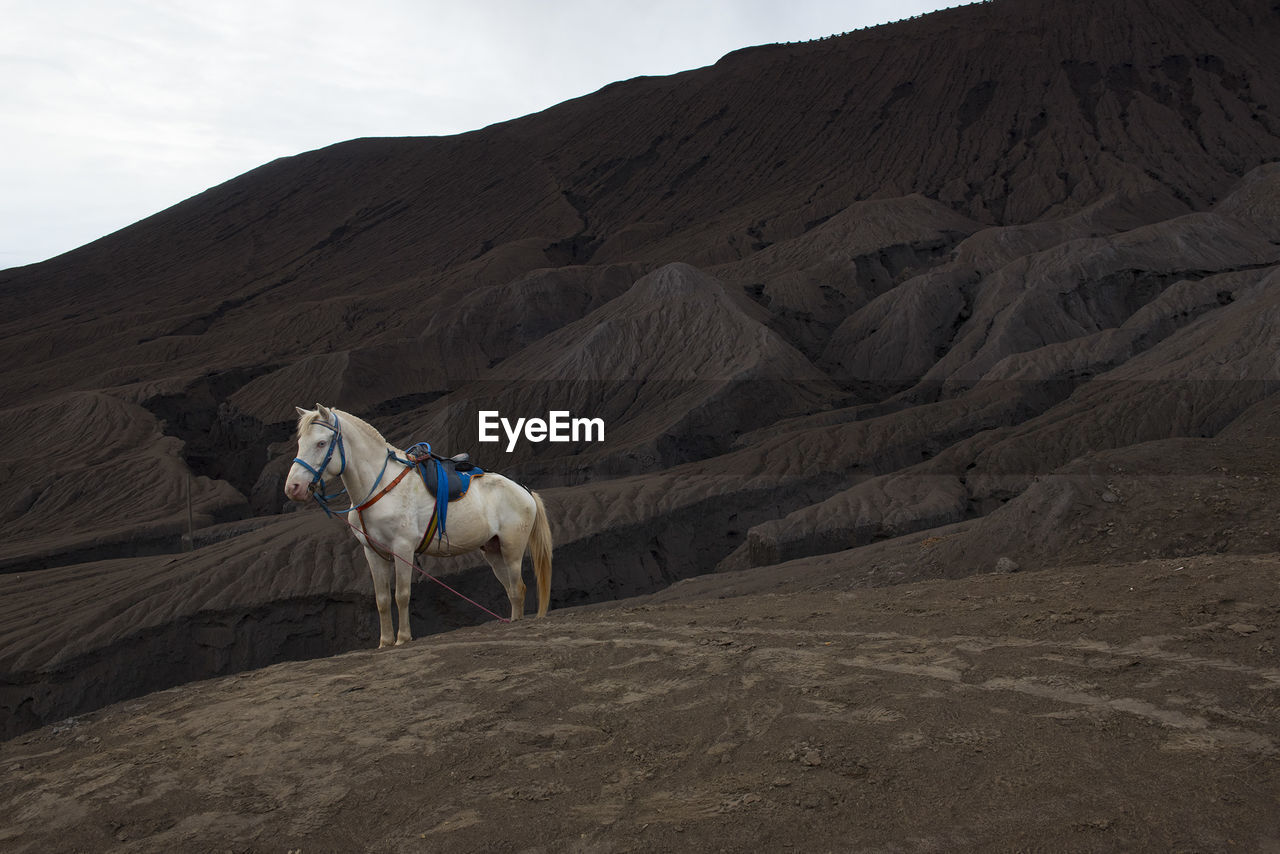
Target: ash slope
828,295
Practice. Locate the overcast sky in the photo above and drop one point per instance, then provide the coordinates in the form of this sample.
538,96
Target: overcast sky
112,111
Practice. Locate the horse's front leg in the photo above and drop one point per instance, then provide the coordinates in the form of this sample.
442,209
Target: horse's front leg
404,586
380,570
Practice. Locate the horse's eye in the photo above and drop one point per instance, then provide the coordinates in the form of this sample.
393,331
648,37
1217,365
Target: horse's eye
320,444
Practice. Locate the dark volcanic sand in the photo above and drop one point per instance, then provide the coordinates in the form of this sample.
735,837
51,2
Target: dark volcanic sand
1120,708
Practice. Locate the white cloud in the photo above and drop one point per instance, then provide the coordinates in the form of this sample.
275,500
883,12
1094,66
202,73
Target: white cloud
112,112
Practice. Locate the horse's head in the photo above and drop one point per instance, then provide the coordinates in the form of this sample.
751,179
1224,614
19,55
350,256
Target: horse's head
321,454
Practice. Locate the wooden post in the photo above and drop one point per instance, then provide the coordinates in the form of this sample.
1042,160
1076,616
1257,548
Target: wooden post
189,541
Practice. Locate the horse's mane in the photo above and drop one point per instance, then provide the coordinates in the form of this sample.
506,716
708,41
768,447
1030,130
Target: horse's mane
346,419
349,420
306,419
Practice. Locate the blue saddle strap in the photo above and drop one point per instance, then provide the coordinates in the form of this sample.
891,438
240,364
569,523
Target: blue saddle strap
442,499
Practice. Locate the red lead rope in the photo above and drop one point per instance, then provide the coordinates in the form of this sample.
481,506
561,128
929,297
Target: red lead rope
420,569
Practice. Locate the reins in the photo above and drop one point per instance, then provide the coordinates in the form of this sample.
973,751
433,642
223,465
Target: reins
316,488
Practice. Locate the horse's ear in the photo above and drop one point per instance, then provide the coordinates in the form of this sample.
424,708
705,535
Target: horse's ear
301,411
324,412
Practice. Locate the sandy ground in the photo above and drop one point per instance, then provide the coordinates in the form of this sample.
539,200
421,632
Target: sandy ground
1102,708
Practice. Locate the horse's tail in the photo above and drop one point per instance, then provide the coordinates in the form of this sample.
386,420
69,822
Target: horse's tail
540,549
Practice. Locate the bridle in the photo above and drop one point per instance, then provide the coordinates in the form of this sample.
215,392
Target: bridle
316,487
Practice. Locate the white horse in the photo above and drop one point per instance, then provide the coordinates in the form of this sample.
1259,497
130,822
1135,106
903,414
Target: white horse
392,514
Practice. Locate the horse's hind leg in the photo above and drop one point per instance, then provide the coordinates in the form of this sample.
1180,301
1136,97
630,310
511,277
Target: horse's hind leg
506,566
381,571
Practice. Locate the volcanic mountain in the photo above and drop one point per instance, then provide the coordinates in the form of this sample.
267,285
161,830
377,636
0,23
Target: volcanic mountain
882,307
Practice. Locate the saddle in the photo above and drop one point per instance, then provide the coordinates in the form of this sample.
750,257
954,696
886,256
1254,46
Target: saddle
446,478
